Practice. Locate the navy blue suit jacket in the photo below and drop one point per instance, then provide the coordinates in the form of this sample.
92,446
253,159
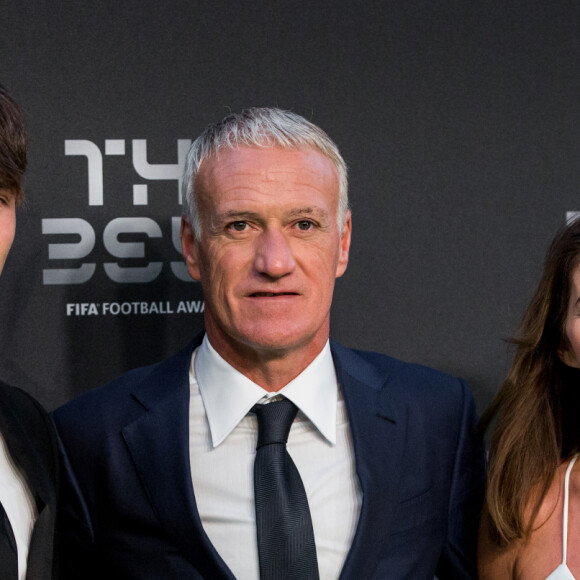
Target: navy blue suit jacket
129,507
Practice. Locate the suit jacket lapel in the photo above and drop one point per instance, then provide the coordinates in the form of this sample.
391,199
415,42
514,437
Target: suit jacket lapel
158,442
378,431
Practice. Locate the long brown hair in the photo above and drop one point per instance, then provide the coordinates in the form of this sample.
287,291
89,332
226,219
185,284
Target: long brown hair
529,441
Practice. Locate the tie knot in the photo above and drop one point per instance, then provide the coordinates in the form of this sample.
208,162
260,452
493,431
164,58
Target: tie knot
274,421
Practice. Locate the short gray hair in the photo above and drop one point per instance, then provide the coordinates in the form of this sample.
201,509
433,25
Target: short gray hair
259,127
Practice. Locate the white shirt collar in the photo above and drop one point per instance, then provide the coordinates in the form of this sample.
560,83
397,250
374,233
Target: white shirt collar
228,395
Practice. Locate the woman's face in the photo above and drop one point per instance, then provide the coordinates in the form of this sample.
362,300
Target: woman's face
571,355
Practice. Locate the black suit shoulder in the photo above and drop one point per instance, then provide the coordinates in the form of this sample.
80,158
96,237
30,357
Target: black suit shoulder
26,404
22,411
117,401
391,364
406,380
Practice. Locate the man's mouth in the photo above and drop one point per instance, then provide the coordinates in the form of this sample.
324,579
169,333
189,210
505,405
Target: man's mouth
271,294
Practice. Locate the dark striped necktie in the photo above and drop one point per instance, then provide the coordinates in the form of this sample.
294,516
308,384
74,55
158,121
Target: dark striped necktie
286,546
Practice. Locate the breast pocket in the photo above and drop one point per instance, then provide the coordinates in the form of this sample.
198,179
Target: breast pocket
419,512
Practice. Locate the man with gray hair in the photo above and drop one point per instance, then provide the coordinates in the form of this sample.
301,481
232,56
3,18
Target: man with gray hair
263,449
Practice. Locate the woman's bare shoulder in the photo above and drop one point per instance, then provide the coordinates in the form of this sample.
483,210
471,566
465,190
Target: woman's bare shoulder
535,558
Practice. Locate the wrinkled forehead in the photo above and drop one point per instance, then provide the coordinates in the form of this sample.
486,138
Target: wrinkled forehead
243,164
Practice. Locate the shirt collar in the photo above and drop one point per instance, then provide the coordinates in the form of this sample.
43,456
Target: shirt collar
228,395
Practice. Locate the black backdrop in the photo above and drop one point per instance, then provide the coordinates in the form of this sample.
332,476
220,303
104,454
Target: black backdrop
458,120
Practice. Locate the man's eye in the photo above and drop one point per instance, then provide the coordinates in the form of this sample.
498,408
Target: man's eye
7,198
305,225
239,226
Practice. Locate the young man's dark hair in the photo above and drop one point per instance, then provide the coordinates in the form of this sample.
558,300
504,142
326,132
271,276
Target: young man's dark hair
12,145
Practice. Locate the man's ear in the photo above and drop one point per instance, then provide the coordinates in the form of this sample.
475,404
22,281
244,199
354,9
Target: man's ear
190,249
344,245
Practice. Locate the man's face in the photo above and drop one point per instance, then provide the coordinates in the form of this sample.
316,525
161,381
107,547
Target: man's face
7,223
270,248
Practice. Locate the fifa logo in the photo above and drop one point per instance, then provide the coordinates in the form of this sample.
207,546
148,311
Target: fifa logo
118,248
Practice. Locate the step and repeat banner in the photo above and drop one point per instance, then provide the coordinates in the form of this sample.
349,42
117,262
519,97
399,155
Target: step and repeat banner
459,121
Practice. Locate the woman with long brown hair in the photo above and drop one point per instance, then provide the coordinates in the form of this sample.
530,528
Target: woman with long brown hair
531,522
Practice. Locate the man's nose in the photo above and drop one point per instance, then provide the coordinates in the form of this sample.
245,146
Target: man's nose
274,257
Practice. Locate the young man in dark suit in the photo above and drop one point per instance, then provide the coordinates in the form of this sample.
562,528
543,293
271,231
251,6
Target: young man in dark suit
28,452
181,470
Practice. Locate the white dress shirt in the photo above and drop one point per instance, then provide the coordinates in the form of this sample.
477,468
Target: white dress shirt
222,447
18,504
